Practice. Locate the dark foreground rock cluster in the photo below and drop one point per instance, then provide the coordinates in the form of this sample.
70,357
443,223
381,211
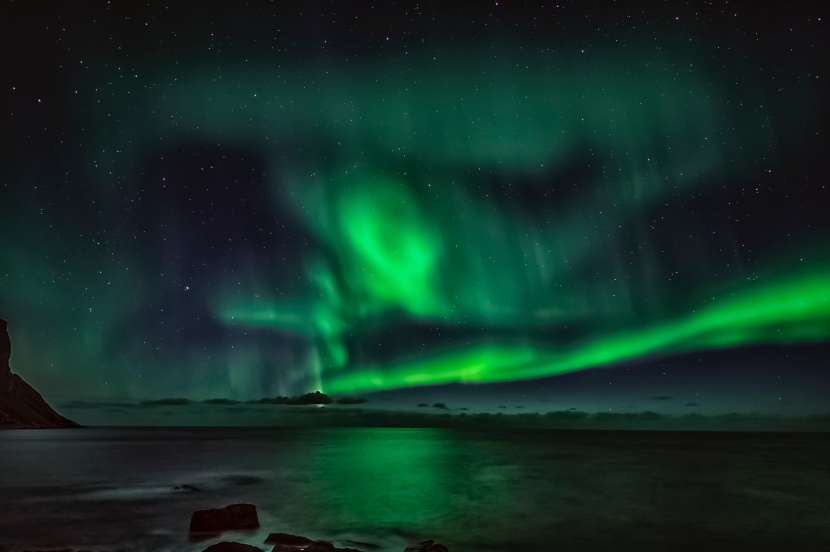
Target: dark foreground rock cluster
21,407
213,522
205,523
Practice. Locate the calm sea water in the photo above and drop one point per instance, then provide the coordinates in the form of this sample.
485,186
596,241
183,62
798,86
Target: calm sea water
115,489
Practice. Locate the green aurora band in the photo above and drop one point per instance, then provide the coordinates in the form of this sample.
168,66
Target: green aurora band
791,311
392,258
788,310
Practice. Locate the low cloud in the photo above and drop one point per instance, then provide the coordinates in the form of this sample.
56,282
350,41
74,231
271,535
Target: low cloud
219,412
175,401
99,405
350,400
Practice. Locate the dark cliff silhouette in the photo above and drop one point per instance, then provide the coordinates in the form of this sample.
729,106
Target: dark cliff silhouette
20,405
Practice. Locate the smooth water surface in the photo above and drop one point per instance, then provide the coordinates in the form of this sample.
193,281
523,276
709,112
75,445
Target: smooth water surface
116,488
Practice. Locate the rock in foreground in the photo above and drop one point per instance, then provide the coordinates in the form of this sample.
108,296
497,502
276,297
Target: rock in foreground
229,518
231,547
243,516
21,407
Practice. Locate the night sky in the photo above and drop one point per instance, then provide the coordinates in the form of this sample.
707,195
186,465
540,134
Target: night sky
618,207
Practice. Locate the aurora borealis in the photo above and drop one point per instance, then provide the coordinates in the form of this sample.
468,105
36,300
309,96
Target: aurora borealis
245,202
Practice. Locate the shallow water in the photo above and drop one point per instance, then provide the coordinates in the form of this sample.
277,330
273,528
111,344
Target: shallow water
115,488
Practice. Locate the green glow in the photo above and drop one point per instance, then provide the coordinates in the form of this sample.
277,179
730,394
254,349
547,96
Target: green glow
420,241
412,478
517,195
789,311
390,249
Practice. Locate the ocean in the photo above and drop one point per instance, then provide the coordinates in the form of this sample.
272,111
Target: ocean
473,490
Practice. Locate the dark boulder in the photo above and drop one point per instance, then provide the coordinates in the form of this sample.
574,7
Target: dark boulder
232,547
285,538
21,407
427,546
229,518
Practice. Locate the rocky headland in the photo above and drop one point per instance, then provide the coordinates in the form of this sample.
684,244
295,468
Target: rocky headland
21,407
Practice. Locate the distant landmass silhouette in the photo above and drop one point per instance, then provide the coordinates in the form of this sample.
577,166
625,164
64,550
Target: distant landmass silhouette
21,407
308,398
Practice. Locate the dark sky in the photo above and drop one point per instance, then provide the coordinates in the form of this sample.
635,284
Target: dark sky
615,207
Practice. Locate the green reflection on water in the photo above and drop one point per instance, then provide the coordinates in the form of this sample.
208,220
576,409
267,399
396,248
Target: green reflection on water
385,478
